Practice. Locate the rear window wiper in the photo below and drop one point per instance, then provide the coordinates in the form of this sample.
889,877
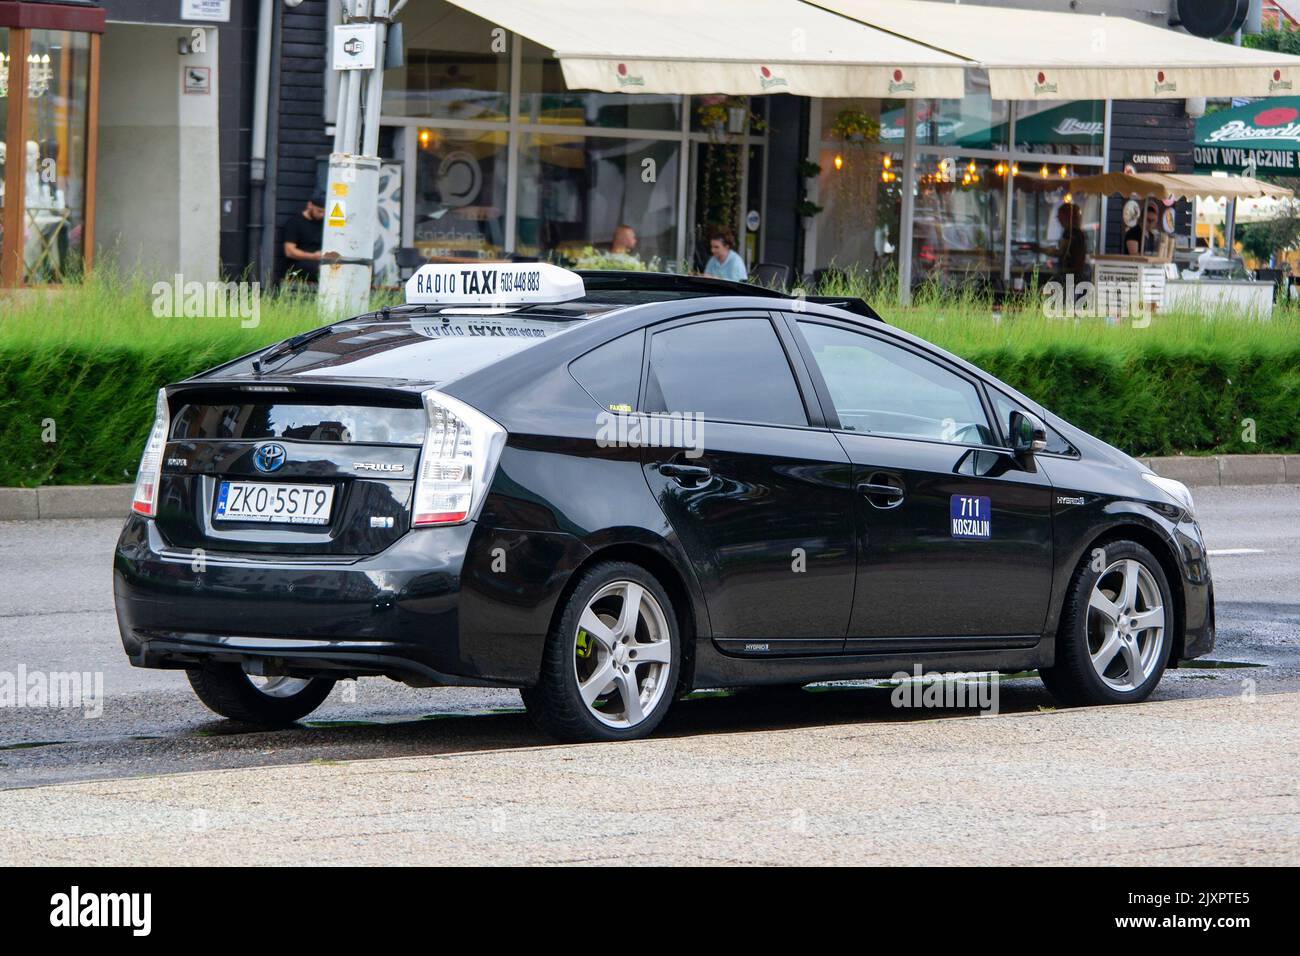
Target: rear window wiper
289,346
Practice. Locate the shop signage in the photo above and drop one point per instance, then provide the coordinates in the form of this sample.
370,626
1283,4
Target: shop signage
1265,135
354,46
1148,162
213,11
196,80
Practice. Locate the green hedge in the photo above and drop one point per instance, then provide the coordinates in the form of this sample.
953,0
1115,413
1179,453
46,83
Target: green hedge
1160,401
1151,399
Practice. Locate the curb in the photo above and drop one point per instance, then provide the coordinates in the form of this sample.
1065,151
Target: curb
65,501
114,501
1226,470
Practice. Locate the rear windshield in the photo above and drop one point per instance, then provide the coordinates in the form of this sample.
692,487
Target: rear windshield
356,424
428,347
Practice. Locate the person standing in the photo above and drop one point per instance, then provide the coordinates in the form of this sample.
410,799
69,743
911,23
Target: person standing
724,263
1140,242
303,237
1072,248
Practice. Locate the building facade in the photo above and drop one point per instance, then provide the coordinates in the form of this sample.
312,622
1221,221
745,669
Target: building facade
488,154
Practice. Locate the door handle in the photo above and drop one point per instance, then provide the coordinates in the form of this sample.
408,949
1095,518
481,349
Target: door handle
892,494
693,474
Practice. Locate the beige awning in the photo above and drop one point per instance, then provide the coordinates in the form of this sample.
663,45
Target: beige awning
735,47
1176,186
1037,55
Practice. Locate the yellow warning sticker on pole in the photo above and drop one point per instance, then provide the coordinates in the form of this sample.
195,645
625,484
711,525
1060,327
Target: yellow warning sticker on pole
338,216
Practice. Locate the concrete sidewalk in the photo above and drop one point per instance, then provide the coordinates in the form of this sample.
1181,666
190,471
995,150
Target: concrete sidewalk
111,501
1204,781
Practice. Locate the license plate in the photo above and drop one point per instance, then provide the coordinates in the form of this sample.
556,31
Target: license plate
286,504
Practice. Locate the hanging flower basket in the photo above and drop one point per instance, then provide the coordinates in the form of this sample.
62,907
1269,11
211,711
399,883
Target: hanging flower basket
855,126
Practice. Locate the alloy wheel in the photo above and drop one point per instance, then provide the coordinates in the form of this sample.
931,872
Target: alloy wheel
1126,625
279,687
622,654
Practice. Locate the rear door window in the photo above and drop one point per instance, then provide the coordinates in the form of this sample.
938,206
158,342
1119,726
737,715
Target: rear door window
732,370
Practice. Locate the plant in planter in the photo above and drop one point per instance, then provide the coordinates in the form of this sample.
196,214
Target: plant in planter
807,210
723,117
855,126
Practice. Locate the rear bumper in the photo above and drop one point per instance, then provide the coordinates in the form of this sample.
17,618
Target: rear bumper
394,613
435,607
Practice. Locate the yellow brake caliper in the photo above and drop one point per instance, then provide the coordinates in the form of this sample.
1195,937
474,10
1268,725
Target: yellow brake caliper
584,644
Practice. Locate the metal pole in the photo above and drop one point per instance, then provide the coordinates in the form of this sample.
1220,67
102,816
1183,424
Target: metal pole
352,198
257,155
907,211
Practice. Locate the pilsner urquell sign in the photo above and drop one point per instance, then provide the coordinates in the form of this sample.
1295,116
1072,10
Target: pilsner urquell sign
1265,135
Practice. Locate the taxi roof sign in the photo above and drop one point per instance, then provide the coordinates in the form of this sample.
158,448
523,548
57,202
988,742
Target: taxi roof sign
493,284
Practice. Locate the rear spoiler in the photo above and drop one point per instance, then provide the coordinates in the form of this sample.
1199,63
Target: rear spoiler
848,304
598,280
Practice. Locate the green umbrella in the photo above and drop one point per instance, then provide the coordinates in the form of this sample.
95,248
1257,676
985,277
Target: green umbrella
1265,134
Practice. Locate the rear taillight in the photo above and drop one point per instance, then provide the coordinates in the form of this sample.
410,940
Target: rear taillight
145,501
461,448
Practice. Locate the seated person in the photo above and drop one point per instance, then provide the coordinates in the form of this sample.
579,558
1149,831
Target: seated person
724,263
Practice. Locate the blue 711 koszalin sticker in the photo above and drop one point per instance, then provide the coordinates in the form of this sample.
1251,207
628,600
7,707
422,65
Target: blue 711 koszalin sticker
970,516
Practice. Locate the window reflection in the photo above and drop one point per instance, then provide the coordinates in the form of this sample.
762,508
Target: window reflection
460,193
575,192
457,66
54,155
319,423
1074,128
546,99
957,235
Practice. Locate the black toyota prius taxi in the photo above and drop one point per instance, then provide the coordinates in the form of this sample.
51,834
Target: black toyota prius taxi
607,489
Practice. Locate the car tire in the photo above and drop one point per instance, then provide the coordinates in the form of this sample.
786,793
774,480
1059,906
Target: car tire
228,691
1108,631
597,659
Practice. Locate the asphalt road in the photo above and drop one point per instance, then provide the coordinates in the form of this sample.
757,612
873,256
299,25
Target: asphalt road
56,615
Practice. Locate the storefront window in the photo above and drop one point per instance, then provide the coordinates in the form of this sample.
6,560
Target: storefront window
1063,128
545,99
457,66
1037,224
4,123
575,191
54,155
460,193
860,191
957,238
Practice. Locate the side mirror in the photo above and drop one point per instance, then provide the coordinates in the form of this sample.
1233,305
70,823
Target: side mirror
1028,434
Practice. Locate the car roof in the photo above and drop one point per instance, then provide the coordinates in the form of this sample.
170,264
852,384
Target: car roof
405,341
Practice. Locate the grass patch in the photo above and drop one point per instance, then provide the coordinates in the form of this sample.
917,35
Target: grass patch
80,365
